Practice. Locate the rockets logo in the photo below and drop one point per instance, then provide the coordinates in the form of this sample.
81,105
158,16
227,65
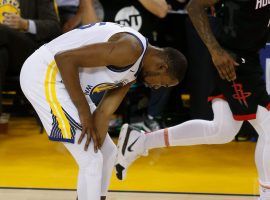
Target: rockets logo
240,95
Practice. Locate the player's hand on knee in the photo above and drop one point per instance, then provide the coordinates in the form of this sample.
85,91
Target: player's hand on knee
92,134
89,131
225,64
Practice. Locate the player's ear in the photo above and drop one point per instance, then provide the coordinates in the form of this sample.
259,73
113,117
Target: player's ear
163,67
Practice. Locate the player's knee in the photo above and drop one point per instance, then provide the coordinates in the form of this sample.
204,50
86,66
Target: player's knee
111,156
109,149
222,138
223,131
91,162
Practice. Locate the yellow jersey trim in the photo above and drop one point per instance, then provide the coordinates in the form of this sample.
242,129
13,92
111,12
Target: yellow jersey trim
51,97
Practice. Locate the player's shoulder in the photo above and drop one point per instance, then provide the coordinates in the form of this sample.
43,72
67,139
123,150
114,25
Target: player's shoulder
130,42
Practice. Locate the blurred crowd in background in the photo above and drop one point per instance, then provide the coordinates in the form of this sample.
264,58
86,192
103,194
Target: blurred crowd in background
25,25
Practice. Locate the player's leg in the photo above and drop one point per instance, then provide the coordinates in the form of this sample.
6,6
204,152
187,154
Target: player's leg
221,129
90,169
262,154
36,90
109,152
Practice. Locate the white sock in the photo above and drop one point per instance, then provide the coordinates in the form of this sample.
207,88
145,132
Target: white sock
109,152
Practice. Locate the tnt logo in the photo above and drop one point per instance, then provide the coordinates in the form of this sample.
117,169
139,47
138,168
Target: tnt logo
129,16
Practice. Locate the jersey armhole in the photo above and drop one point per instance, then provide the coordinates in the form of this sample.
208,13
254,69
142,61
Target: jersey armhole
122,69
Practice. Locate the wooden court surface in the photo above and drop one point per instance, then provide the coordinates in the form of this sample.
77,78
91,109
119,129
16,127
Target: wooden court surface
30,160
19,194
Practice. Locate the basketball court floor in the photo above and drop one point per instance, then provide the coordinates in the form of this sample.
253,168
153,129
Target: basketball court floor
32,167
15,194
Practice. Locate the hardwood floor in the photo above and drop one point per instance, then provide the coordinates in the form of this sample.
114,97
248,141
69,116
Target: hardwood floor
19,194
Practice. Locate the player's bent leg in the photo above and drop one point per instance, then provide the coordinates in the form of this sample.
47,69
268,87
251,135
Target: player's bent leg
109,152
34,88
90,169
262,154
222,129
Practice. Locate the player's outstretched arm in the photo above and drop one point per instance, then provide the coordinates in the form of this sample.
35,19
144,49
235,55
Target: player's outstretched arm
222,60
120,51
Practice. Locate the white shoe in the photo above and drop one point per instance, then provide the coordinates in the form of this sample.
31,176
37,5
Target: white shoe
130,147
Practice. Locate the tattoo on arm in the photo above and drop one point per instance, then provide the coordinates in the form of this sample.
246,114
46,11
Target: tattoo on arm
199,18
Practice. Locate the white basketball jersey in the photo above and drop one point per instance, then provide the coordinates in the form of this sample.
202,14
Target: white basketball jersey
100,78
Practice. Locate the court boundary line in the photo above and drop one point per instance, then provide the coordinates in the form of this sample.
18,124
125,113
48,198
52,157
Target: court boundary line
133,191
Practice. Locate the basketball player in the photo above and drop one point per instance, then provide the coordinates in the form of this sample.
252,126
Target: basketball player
60,77
240,92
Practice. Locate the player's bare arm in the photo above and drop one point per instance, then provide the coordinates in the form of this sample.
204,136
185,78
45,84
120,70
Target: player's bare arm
108,105
157,7
121,50
224,63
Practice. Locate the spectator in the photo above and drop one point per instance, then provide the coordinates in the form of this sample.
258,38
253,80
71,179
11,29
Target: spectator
24,25
78,12
143,16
